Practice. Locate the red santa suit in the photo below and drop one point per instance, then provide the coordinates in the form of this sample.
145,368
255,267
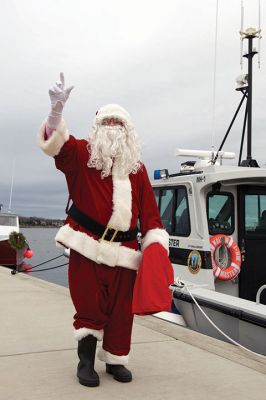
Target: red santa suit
102,273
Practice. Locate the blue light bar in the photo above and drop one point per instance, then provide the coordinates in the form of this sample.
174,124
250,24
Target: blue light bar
160,174
157,174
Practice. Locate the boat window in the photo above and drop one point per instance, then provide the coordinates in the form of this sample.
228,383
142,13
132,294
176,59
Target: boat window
182,220
156,194
8,220
255,213
173,206
220,213
166,208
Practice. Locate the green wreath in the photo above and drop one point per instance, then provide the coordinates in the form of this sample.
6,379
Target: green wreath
17,240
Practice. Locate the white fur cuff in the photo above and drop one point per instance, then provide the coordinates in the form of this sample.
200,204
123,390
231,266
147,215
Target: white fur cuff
156,235
113,359
83,332
55,142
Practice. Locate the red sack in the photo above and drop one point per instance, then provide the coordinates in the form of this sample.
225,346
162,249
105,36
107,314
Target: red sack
151,291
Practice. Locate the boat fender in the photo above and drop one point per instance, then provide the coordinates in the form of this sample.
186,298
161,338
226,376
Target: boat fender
233,269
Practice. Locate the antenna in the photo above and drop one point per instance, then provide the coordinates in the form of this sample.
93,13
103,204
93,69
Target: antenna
256,33
12,183
241,30
259,37
214,79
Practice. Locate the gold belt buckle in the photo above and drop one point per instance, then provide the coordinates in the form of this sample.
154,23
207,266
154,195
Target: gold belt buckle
105,233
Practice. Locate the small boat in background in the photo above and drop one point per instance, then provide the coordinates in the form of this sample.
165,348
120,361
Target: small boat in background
9,256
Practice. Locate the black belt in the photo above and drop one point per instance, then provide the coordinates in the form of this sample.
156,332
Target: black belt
105,232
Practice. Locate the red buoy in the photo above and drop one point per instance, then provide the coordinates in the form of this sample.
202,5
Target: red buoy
28,253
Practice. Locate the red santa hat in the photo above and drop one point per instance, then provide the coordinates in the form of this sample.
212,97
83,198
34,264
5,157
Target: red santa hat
115,111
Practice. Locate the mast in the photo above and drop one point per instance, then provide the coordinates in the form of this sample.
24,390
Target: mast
250,34
244,85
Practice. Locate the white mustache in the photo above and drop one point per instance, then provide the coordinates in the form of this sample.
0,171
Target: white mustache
113,143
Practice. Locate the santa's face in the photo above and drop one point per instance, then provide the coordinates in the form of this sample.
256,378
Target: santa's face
111,141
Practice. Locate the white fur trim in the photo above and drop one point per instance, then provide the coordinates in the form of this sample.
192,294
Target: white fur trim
83,332
53,145
156,235
113,359
100,251
113,110
122,201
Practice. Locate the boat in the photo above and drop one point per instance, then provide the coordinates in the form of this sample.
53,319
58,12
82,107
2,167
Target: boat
9,256
215,214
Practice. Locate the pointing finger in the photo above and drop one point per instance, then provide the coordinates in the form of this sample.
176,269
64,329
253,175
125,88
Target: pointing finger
62,78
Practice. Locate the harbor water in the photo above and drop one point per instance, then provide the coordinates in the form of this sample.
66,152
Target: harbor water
41,241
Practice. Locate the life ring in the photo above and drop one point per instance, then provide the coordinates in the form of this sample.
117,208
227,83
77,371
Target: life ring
234,259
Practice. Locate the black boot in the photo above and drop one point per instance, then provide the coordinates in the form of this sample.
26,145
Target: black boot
120,373
86,351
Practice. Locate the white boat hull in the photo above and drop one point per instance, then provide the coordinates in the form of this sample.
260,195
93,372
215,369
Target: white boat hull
237,318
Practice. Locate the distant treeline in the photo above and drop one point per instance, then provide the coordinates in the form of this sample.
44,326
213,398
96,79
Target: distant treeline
38,221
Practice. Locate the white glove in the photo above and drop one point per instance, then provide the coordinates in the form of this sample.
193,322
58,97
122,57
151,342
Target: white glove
58,96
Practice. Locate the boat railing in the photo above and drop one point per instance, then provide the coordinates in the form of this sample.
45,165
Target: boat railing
259,293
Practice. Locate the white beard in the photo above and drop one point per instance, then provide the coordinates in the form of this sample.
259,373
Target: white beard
109,144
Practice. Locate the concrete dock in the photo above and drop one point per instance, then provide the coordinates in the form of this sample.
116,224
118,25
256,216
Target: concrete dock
38,354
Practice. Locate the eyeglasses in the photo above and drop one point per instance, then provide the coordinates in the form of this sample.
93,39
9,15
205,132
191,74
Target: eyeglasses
112,121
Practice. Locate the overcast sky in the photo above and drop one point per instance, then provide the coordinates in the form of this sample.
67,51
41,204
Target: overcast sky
155,58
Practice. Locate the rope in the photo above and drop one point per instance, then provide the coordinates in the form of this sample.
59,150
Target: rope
46,269
182,284
45,262
13,272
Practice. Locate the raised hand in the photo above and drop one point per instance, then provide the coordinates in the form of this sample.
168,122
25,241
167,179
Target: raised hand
58,93
58,96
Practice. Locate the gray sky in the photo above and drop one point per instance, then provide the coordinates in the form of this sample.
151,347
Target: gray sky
153,57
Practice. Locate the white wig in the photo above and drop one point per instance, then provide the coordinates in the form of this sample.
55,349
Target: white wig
114,143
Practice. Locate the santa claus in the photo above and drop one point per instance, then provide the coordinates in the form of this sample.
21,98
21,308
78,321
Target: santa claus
110,192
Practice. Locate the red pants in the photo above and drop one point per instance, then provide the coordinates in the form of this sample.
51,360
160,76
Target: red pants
102,297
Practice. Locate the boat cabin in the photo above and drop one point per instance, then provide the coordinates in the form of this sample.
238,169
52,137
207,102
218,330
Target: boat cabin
8,223
202,202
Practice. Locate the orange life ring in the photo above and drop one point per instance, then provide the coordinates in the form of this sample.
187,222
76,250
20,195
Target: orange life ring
233,269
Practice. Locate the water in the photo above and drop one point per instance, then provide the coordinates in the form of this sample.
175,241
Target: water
41,241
